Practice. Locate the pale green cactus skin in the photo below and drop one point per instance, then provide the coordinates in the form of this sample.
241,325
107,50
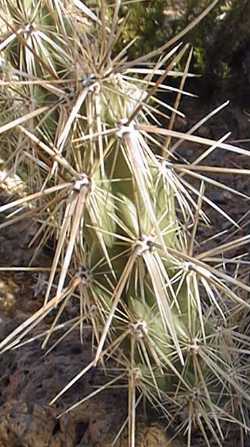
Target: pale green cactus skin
116,211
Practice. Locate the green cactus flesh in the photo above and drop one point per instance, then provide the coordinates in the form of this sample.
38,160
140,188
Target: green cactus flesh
120,214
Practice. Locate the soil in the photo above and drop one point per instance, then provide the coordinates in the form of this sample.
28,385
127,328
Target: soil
29,379
233,119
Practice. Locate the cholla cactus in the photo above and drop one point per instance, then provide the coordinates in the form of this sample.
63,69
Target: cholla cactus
81,125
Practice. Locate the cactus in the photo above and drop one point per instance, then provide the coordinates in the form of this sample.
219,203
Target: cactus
82,126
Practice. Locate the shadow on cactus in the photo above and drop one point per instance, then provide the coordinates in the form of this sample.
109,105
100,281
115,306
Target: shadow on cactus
82,126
